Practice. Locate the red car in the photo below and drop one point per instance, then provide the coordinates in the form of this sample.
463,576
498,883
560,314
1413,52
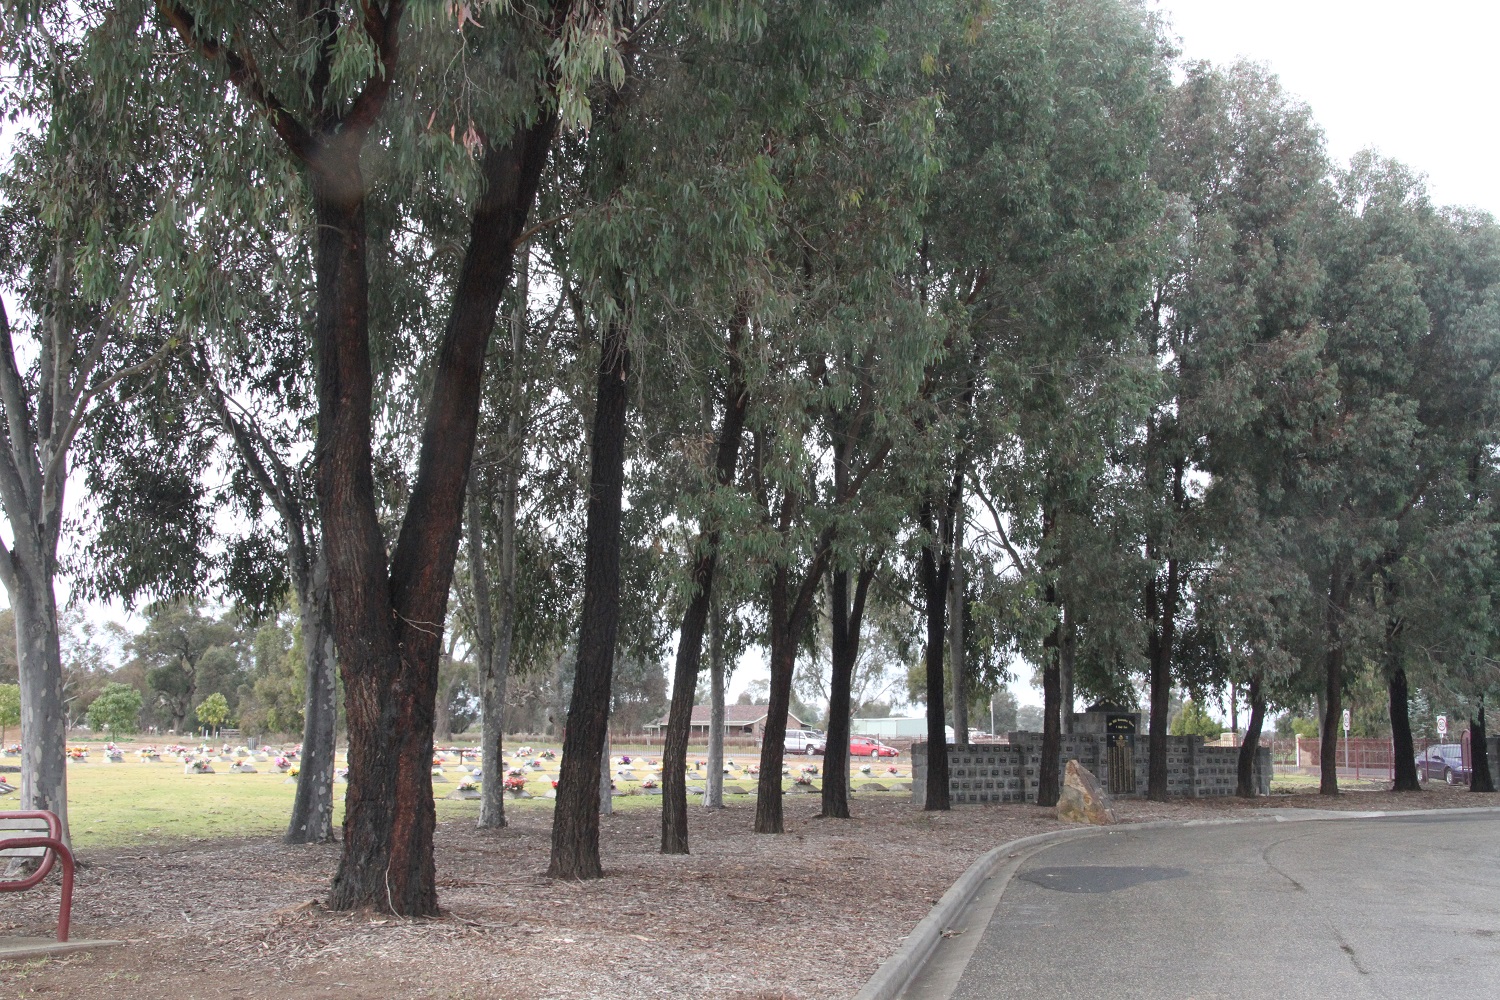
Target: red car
864,746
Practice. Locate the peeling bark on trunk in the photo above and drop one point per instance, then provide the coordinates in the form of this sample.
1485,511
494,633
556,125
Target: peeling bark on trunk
575,823
674,830
1245,772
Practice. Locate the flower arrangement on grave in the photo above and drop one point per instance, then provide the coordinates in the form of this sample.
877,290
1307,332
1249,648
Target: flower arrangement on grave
201,765
525,752
554,782
866,769
802,779
514,784
754,769
437,760
295,770
625,758
549,755
809,769
282,763
14,750
535,765
468,786
892,770
649,783
78,753
516,772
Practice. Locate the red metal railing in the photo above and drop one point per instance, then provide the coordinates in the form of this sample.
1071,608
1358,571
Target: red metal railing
52,840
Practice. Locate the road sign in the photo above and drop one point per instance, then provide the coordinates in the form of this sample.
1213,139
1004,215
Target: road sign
1442,725
1346,722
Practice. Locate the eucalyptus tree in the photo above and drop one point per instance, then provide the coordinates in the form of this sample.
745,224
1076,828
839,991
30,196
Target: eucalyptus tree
88,209
1396,431
1037,240
1430,584
840,373
352,103
1242,170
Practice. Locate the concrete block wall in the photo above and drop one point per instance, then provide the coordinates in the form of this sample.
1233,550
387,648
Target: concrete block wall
1001,773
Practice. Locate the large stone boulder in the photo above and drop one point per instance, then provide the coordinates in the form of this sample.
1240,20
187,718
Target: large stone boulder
1083,799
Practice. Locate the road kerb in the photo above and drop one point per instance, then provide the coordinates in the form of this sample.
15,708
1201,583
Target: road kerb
897,972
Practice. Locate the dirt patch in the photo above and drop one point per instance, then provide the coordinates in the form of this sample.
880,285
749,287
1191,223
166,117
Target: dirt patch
809,914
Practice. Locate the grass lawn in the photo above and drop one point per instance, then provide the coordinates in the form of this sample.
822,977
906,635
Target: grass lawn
136,801
1294,782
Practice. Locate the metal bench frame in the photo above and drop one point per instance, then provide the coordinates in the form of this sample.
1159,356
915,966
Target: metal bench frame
54,848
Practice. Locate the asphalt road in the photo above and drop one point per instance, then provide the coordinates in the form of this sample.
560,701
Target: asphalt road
1403,907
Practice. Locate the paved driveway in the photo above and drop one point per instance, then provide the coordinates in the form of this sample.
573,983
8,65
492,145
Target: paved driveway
1403,907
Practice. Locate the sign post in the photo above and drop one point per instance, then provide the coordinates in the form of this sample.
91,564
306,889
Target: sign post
1442,727
1346,739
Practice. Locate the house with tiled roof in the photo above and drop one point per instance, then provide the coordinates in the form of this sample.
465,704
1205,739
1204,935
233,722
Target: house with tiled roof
739,720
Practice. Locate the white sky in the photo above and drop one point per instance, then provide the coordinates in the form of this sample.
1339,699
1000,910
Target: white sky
1417,81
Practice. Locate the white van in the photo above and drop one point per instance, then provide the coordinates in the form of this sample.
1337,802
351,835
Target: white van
806,741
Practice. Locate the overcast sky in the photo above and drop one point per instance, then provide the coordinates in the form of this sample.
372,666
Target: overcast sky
1417,81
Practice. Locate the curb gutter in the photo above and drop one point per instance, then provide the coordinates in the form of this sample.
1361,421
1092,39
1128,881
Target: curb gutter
897,972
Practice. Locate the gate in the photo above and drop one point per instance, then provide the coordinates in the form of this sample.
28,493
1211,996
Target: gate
1121,766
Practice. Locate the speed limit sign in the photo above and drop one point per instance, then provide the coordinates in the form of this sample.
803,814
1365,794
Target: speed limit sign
1346,722
1442,725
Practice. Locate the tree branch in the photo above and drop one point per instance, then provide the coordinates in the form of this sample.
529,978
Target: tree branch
246,77
17,408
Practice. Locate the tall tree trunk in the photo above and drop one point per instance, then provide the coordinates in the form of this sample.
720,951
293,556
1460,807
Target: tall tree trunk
44,733
674,831
388,818
389,622
1048,790
847,619
713,793
606,778
1333,679
312,807
1479,753
956,609
494,667
768,813
1245,783
1067,653
575,823
1401,741
1162,614
936,566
